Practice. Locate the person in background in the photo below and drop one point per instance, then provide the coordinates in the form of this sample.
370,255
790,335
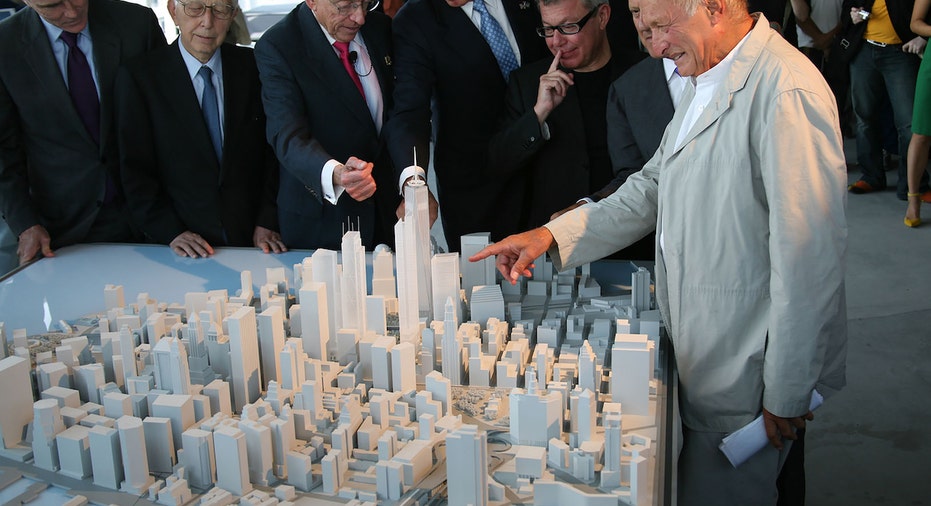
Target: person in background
553,132
885,61
751,249
326,85
921,124
198,167
59,163
452,61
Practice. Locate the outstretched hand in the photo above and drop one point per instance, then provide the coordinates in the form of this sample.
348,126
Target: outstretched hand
516,253
779,428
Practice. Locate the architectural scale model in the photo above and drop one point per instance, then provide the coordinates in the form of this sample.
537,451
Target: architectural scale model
306,391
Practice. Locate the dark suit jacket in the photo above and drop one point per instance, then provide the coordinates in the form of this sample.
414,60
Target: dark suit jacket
639,108
556,172
315,113
441,55
169,168
52,173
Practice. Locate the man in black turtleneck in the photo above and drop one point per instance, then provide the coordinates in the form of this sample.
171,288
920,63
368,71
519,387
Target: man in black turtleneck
553,132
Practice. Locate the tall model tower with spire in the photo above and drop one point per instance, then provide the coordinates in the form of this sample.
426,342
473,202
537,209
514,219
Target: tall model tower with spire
412,239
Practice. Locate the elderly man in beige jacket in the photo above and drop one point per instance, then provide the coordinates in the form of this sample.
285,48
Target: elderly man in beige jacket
746,193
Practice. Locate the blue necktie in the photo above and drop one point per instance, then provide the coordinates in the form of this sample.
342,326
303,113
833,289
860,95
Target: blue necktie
211,111
498,42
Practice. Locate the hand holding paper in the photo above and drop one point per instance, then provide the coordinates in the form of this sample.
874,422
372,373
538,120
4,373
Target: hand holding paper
751,438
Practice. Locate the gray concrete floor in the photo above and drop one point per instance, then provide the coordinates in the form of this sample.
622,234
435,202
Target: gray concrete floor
871,443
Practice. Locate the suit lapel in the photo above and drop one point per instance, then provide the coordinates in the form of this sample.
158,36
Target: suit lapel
180,97
38,55
235,103
381,62
471,45
325,64
106,63
524,27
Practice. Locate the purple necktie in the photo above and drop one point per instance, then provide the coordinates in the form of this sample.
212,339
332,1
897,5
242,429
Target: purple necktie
81,86
84,96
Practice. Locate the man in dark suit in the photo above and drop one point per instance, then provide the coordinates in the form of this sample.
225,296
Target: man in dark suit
441,57
326,84
187,191
59,177
553,134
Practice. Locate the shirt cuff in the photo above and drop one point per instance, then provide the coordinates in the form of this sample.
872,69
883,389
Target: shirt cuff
409,172
545,131
331,192
586,200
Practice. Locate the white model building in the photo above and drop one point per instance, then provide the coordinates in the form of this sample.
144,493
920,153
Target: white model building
353,283
417,241
535,416
232,460
136,478
171,366
244,357
271,335
383,280
470,466
631,354
177,390
446,284
481,273
46,425
315,326
17,406
325,268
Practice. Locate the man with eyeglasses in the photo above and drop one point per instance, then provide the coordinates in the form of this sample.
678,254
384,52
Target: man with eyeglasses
326,85
553,136
59,173
192,139
746,193
448,72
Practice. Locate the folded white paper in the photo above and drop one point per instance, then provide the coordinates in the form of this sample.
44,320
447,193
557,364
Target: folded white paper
745,442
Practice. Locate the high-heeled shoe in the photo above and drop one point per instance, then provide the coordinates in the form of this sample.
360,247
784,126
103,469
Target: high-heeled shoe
910,223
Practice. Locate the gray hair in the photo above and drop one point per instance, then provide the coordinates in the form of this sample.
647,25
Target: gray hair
588,4
736,8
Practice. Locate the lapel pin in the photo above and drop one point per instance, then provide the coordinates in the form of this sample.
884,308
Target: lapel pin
524,5
387,61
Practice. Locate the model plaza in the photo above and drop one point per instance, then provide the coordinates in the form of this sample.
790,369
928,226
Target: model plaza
318,390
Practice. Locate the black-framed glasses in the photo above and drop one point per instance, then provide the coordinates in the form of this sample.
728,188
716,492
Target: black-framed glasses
197,9
345,9
567,28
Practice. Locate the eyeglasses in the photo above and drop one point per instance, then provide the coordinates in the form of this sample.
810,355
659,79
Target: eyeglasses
566,28
197,9
345,9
